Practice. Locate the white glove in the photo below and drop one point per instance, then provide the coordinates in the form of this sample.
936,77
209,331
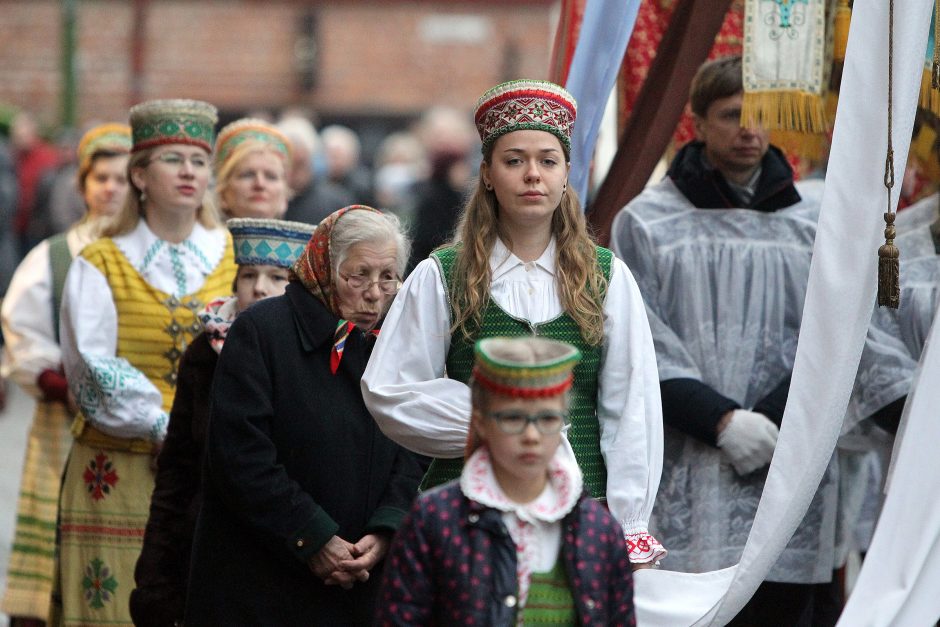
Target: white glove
748,440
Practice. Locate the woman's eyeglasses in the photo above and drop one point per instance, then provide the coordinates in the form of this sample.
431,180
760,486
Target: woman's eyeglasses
362,282
513,422
176,160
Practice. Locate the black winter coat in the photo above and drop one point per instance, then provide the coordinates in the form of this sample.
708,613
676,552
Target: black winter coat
292,458
162,570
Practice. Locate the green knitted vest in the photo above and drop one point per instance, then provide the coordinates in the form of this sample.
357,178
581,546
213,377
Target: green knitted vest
584,433
550,601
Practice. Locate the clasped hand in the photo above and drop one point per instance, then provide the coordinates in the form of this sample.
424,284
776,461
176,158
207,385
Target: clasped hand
341,563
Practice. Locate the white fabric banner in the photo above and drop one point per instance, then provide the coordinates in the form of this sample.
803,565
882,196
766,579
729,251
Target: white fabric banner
900,587
605,32
840,293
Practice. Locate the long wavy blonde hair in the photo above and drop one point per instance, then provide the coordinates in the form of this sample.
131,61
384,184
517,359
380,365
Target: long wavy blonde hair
125,220
580,281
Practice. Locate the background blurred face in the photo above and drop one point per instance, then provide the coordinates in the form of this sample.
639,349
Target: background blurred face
106,186
254,283
522,458
257,187
729,147
374,261
527,171
175,178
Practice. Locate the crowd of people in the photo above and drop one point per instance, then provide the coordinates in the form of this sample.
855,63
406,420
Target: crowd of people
262,401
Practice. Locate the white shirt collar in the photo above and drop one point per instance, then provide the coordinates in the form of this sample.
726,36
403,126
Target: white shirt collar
502,260
560,495
142,246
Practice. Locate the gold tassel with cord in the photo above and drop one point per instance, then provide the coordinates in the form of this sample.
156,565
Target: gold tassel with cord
785,110
841,30
889,267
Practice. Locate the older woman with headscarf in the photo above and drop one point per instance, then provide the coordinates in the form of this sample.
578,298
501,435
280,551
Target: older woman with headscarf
302,490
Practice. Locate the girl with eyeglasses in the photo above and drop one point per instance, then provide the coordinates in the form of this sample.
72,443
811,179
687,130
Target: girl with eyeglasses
516,539
129,311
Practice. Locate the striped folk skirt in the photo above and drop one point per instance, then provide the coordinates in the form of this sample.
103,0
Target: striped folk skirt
30,571
103,512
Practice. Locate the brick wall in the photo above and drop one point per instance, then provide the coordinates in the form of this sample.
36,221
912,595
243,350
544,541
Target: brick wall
373,57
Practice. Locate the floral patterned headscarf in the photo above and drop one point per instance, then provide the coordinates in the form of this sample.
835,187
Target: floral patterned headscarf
314,268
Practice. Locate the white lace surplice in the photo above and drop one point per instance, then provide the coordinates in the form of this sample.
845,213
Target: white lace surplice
725,290
896,337
114,396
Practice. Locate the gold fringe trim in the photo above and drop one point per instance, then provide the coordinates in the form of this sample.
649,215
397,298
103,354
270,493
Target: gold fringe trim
840,29
809,146
785,110
929,97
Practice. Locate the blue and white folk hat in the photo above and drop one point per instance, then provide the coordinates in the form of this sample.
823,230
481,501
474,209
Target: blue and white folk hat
268,242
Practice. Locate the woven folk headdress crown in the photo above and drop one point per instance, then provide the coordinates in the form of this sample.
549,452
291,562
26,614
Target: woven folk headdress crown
159,122
526,105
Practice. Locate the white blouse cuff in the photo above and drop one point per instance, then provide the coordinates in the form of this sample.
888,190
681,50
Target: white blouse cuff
642,546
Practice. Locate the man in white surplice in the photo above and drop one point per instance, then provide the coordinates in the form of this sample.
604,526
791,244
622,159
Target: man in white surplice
721,250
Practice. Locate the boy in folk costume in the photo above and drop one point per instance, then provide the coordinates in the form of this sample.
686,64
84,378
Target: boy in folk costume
721,250
515,539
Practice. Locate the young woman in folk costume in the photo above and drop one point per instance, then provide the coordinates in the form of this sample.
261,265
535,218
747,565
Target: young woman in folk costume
128,313
30,318
522,263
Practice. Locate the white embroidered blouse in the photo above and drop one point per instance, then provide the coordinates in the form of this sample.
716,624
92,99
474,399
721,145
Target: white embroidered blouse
27,315
128,405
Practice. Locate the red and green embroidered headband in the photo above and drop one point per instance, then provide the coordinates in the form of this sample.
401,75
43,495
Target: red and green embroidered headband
160,122
526,105
525,367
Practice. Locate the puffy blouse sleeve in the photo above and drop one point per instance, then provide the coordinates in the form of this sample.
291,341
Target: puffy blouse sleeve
115,397
630,414
27,319
404,385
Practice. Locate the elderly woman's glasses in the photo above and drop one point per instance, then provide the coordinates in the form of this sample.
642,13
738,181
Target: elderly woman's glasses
513,422
362,282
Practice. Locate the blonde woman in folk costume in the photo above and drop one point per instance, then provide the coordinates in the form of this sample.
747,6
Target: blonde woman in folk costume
251,164
129,311
522,263
33,359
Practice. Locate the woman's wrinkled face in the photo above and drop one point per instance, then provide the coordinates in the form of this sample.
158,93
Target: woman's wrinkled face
174,179
257,187
256,282
528,173
375,265
106,186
